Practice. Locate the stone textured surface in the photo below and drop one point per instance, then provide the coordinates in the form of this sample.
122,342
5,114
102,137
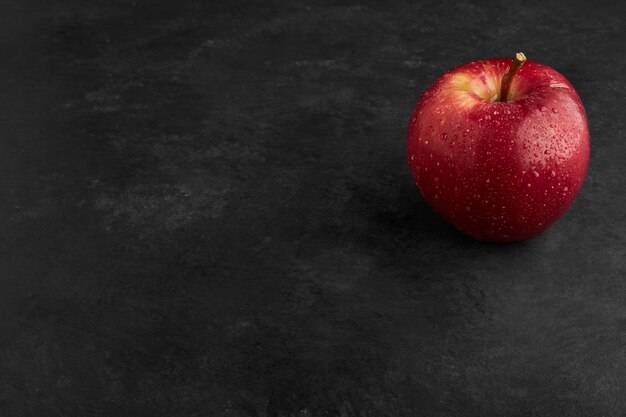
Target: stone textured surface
206,212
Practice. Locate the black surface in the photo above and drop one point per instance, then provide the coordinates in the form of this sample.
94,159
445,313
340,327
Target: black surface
206,212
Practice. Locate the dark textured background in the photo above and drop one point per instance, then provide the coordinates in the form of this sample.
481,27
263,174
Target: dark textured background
206,212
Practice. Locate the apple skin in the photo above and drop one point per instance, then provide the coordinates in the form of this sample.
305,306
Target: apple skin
499,171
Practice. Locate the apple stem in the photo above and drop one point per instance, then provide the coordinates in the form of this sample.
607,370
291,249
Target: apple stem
507,79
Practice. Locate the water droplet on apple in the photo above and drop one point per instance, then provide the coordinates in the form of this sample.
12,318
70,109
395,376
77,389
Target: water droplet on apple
542,108
536,173
565,188
444,136
426,141
528,184
554,110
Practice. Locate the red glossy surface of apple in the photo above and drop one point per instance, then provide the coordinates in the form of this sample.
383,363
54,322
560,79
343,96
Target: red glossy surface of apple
499,170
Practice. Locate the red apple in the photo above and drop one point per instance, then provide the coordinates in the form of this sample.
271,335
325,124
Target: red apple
499,147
